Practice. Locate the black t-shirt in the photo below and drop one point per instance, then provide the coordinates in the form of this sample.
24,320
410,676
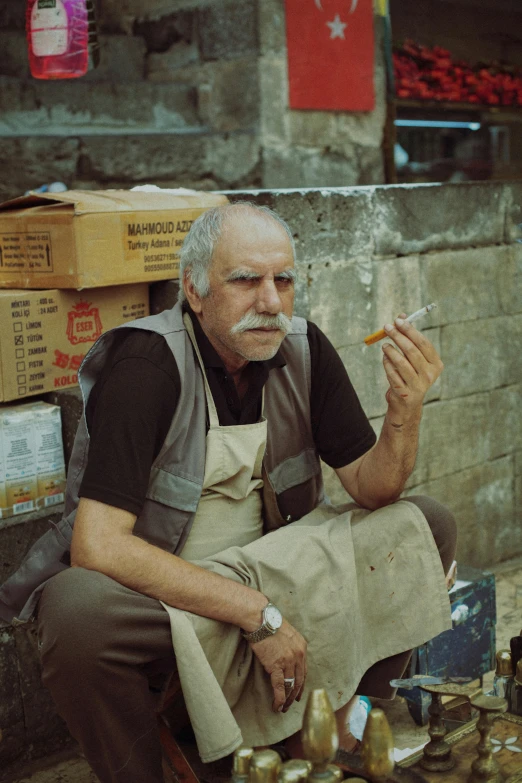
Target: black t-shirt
131,406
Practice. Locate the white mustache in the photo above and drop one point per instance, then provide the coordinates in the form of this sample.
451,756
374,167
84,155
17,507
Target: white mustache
256,321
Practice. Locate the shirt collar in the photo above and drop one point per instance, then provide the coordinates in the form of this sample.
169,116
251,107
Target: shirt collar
211,357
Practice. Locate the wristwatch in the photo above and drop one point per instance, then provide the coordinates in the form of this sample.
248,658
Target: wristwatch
272,620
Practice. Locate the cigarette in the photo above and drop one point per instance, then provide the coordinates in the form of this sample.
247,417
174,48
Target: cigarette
381,334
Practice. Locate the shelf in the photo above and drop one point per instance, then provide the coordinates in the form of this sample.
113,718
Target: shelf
32,516
499,111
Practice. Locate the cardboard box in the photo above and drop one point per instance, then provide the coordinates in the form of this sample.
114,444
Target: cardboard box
44,335
89,239
32,466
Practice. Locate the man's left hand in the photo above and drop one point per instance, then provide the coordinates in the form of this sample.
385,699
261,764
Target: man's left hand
411,370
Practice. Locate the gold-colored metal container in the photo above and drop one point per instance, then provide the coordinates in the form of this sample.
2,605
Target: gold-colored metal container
295,771
265,766
377,747
241,764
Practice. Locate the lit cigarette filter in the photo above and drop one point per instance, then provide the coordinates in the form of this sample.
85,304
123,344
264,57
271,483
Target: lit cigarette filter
381,334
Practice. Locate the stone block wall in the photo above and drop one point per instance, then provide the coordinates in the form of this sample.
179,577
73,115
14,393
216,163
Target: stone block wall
189,93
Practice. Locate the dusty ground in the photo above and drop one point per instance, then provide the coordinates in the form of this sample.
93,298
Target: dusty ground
406,733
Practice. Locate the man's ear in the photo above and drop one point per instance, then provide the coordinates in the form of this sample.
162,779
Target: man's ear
192,296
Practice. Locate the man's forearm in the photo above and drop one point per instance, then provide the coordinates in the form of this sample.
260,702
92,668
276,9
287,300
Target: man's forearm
100,544
384,470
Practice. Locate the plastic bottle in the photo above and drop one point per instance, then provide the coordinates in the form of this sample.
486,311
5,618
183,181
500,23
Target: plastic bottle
57,34
516,693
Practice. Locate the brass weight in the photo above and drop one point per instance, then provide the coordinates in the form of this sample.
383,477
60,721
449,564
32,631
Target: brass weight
484,768
377,747
265,766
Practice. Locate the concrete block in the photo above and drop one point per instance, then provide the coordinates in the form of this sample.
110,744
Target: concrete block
313,129
58,107
273,93
142,158
367,375
122,59
510,284
33,161
14,57
371,165
233,96
229,30
482,500
467,284
272,26
504,421
232,157
480,355
328,224
160,66
306,167
452,437
513,207
370,293
518,463
423,217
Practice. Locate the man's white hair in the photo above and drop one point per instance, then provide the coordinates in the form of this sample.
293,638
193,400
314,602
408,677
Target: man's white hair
198,247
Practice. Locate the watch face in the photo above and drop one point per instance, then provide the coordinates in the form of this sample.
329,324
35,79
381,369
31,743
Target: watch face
273,617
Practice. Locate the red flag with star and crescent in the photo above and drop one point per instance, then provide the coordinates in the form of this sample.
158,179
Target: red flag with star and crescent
330,54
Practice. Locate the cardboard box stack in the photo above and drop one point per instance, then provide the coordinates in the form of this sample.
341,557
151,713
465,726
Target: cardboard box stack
52,248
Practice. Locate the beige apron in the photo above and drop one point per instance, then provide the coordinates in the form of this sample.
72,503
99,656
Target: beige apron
348,579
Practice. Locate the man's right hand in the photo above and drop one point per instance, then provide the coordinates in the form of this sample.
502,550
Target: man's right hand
283,656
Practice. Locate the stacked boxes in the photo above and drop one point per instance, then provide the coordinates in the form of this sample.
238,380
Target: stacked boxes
52,248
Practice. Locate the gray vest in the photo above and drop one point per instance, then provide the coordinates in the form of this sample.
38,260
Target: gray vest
291,465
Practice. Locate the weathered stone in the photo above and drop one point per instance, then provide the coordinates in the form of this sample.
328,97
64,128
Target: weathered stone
229,30
313,129
71,406
510,283
31,162
452,437
466,284
232,157
122,59
333,488
160,66
328,224
306,167
168,159
122,15
480,355
57,107
416,218
504,422
513,206
14,60
482,500
233,96
371,293
365,370
371,165
272,26
273,93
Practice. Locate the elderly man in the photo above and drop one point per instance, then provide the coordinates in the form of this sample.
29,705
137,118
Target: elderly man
203,429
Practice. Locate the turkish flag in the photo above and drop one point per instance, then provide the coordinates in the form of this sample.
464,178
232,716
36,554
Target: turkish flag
330,54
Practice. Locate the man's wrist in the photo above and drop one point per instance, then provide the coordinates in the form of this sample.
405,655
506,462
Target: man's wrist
254,619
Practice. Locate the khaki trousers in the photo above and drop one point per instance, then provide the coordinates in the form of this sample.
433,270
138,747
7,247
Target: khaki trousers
101,643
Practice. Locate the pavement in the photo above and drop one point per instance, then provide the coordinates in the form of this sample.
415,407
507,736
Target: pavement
407,735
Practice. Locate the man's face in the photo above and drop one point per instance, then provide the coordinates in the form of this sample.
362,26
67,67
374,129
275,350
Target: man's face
251,274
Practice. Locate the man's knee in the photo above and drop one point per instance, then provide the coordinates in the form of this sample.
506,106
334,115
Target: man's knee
443,526
74,617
